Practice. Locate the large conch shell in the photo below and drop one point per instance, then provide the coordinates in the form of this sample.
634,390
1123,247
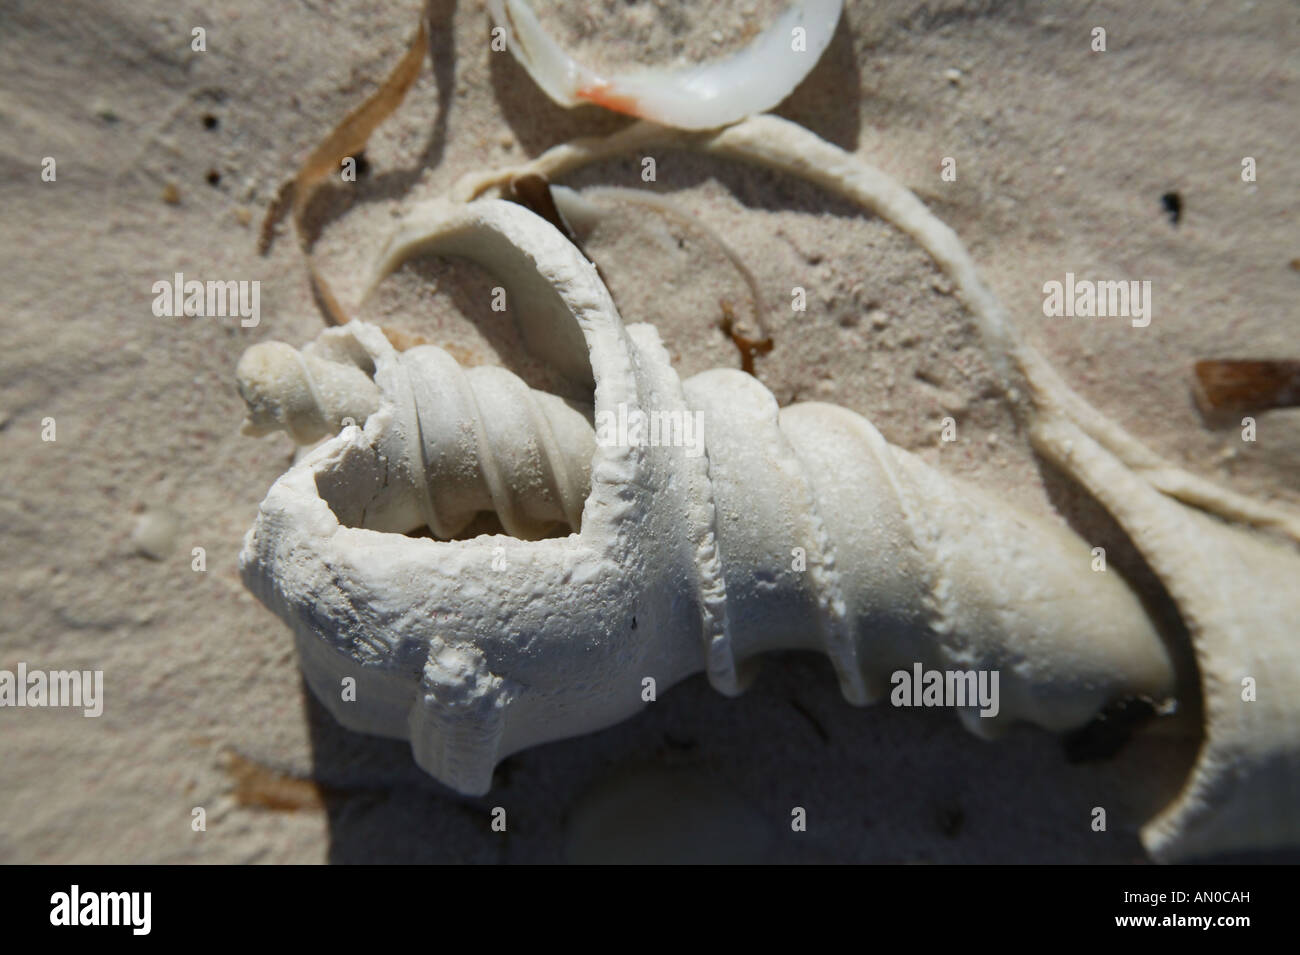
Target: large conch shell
474,649
780,528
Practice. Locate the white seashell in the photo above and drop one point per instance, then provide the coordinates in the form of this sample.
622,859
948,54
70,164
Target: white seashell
475,649
752,80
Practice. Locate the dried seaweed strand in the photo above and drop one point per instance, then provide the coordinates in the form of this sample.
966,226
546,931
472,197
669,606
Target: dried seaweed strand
348,138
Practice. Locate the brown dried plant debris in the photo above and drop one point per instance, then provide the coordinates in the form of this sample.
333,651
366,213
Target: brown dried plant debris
348,138
259,786
1247,384
748,347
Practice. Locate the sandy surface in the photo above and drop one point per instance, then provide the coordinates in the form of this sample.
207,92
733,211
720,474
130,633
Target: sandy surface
1062,155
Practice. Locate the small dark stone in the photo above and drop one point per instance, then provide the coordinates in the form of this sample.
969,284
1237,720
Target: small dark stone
1173,204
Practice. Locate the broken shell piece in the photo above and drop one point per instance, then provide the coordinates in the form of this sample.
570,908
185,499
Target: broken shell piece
752,80
797,528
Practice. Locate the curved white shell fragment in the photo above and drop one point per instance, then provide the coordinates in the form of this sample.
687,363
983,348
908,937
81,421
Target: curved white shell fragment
750,81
